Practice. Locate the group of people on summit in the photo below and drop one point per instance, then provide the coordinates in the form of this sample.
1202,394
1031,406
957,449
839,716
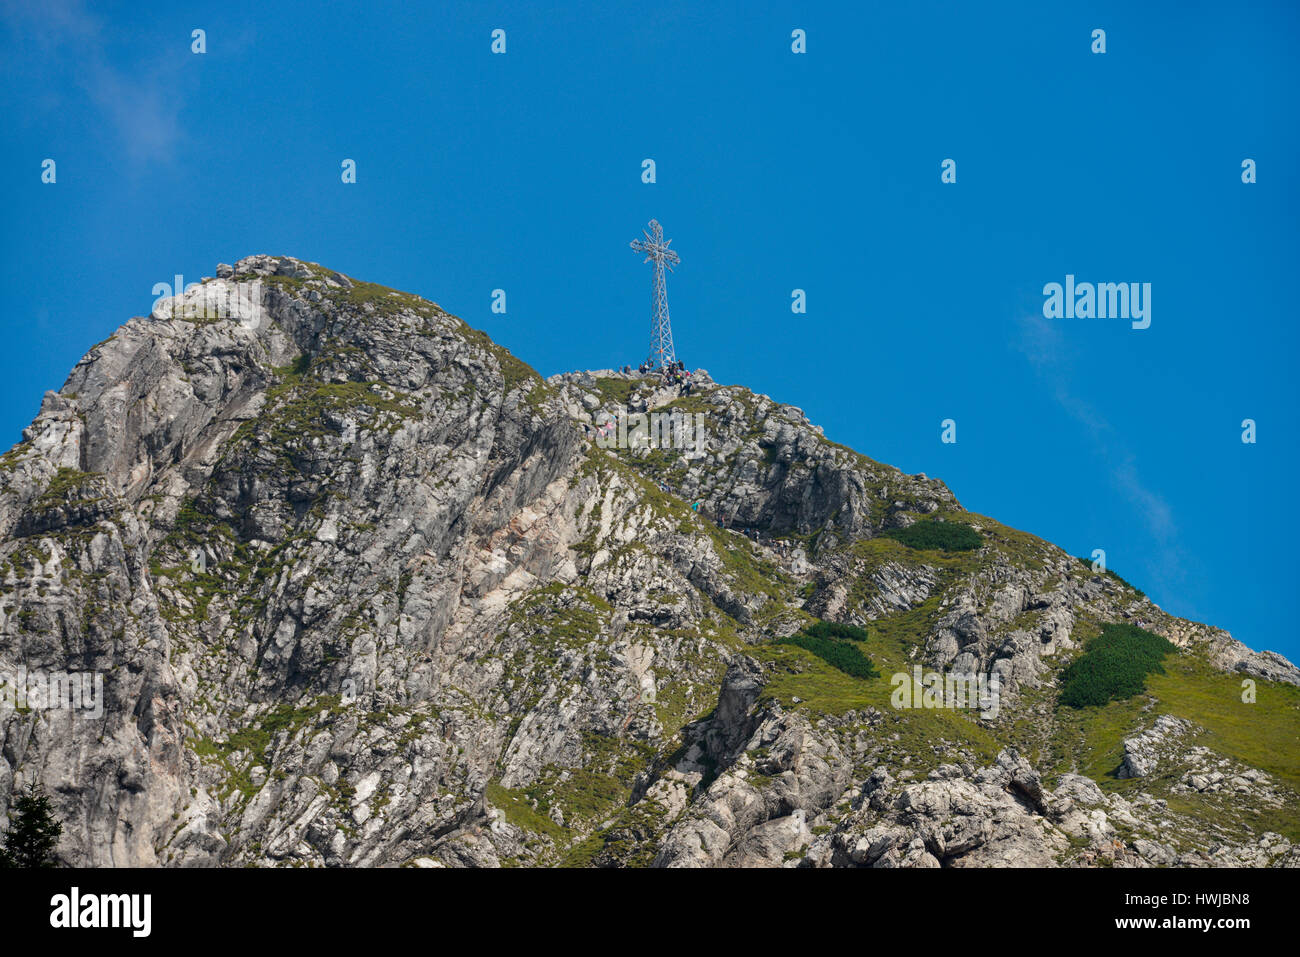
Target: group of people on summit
675,373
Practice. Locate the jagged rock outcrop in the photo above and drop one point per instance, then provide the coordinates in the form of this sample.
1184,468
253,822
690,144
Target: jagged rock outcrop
1142,752
361,588
956,817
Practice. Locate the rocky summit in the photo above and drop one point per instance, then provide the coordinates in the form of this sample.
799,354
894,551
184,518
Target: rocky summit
349,584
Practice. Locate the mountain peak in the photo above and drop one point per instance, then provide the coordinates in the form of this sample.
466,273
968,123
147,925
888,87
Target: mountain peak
361,587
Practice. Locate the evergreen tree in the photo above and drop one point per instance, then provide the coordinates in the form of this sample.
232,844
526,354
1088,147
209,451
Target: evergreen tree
33,832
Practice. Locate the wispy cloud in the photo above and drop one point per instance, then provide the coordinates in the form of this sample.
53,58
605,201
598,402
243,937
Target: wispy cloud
140,98
1045,346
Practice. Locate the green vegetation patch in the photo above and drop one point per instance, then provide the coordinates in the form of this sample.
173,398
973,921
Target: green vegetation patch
514,804
1264,733
931,535
70,486
833,643
586,796
300,406
255,742
1114,666
618,391
696,402
1113,577
306,413
835,629
385,300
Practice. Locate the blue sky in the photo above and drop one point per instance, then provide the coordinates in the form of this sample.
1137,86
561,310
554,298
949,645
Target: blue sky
775,171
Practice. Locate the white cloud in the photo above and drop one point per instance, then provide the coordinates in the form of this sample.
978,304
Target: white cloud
1047,350
140,103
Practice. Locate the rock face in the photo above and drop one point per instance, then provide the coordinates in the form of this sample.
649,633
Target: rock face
358,587
1142,752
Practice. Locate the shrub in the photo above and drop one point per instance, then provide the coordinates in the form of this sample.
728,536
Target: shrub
33,833
1110,574
1114,666
837,653
834,629
930,534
